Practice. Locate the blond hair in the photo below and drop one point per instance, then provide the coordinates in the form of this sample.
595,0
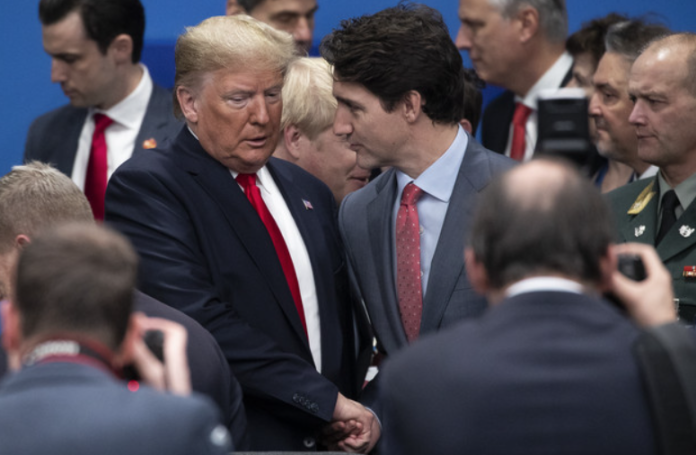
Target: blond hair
308,102
229,42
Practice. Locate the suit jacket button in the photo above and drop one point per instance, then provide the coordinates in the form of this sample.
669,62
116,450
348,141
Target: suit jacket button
309,442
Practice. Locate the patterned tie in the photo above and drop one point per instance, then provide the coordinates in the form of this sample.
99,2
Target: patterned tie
519,121
97,167
248,182
669,204
408,269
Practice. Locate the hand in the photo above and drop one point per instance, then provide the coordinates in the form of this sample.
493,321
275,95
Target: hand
651,301
354,428
172,375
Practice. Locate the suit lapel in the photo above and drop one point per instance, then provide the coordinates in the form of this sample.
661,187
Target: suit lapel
448,263
379,222
63,158
218,183
680,237
157,117
642,227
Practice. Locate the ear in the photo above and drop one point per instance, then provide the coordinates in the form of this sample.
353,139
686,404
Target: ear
125,354
122,48
528,20
607,265
11,333
233,7
21,241
466,125
478,277
187,103
412,106
293,138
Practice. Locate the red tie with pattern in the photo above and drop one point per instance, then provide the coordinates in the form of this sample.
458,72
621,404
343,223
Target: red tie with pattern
248,182
408,269
97,167
519,121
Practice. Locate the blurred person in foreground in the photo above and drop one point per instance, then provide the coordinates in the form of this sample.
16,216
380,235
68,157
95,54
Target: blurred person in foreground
69,323
247,244
549,368
307,138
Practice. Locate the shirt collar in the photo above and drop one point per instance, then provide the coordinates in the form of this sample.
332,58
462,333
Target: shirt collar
129,111
552,78
544,284
439,179
686,190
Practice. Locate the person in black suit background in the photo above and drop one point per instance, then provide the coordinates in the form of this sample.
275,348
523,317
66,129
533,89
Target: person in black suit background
35,197
520,46
69,322
95,48
247,244
549,367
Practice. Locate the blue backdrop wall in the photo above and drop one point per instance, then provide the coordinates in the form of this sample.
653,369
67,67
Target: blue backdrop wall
28,92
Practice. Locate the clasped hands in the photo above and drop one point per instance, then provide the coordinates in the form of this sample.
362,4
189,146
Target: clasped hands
354,428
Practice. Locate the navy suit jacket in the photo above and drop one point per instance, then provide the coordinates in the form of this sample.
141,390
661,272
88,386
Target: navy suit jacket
205,251
539,373
75,409
53,137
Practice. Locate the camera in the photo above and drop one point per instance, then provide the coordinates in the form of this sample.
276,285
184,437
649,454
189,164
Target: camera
631,266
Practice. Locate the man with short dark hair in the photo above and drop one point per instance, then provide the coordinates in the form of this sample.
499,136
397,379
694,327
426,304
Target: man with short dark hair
399,82
549,368
115,109
518,45
660,211
293,16
69,320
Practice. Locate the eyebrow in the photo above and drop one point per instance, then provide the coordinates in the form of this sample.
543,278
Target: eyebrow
348,102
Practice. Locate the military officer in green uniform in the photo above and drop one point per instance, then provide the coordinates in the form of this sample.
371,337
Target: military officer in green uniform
661,211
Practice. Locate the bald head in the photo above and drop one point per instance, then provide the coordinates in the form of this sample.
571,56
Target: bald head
541,218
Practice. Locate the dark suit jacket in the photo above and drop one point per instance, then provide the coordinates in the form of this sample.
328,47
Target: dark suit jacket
205,251
366,225
53,137
75,409
540,373
677,249
210,374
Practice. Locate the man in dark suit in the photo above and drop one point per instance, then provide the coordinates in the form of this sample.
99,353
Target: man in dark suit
549,367
520,46
69,321
247,244
660,211
35,197
400,91
115,109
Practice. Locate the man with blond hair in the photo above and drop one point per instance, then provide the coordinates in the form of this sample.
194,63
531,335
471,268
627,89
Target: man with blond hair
307,138
245,243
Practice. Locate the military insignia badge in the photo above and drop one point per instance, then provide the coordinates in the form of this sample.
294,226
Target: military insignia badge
640,230
686,231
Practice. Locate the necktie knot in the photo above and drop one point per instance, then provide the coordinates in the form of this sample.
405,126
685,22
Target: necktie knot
246,180
411,194
521,114
670,201
101,122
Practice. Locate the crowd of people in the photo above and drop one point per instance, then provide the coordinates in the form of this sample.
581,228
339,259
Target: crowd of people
292,253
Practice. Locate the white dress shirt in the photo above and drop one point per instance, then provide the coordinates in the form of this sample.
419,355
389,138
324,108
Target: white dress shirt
127,118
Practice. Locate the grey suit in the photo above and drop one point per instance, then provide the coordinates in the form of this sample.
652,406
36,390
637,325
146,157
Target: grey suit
53,137
365,221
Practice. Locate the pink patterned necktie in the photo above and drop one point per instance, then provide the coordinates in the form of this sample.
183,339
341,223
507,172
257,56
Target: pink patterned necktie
408,267
97,167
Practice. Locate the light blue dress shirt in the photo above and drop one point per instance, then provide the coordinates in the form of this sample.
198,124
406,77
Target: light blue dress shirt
437,183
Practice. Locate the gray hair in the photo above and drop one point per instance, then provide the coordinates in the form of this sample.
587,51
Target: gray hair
630,38
553,16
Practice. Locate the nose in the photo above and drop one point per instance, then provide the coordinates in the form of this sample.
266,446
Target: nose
303,31
259,111
342,125
594,105
462,41
57,71
637,118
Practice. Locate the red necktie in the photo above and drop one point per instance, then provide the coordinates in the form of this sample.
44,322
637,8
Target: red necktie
519,121
97,167
248,182
408,269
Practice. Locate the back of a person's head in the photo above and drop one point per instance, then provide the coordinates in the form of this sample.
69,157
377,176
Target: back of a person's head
37,196
590,39
308,102
541,218
553,17
76,279
629,38
399,49
104,20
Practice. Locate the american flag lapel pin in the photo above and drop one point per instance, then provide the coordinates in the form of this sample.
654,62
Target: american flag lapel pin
307,204
149,143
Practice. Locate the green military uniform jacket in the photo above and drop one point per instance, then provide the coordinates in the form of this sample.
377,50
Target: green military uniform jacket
635,210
